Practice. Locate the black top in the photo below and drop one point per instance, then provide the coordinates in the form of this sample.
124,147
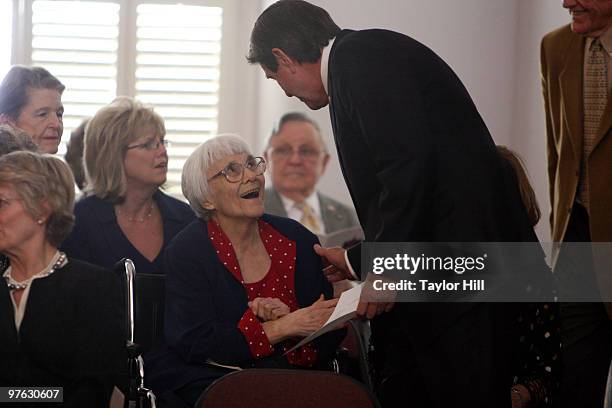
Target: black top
72,335
98,239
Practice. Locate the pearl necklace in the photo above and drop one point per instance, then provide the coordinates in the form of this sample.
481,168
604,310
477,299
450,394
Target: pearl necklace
133,219
14,285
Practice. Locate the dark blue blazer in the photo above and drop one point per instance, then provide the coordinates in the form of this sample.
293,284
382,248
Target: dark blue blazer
204,303
98,239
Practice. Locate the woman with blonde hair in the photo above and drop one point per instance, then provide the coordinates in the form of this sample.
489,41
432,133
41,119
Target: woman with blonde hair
125,214
62,321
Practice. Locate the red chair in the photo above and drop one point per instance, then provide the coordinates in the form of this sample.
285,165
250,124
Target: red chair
277,388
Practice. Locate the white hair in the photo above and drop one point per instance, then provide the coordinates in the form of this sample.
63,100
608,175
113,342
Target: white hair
194,182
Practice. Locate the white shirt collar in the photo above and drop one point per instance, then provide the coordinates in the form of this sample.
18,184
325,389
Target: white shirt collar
606,41
312,200
295,213
324,64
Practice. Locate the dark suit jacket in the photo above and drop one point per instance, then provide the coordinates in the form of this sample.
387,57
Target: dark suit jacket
421,166
562,57
204,303
432,173
72,335
98,239
336,216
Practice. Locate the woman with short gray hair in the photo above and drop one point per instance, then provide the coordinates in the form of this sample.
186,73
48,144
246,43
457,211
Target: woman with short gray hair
126,215
31,99
241,285
66,323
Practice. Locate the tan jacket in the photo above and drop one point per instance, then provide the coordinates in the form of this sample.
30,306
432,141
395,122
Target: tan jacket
562,54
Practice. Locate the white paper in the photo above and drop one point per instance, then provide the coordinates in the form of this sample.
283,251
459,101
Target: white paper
214,363
345,310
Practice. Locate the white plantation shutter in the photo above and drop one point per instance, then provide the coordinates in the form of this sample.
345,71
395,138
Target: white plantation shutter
6,37
178,52
77,42
165,54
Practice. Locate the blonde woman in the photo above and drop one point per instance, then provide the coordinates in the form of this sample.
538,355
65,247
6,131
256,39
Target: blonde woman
125,214
61,321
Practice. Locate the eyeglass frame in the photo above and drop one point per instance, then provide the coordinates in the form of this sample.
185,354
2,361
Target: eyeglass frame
291,151
158,143
243,166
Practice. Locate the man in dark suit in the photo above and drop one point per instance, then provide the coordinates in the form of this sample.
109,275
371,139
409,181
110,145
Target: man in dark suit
421,166
576,67
297,158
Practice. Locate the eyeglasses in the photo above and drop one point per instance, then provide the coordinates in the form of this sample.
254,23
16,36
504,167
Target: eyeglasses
234,172
305,152
152,144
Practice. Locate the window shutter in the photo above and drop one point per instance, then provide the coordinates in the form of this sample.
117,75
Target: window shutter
178,50
77,41
6,36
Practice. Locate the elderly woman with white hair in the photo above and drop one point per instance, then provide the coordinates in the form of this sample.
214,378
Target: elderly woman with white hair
61,321
241,286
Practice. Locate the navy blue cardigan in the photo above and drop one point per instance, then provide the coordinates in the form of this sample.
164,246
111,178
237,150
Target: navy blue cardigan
204,303
98,239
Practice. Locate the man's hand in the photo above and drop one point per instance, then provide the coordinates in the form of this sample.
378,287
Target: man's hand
337,268
373,302
369,310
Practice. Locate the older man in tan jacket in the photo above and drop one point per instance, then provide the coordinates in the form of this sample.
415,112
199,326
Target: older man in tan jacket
577,83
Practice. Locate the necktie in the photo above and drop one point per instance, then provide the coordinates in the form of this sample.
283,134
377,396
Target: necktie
595,100
308,218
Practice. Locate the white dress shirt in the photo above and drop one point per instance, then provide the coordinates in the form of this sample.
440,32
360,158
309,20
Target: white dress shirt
295,213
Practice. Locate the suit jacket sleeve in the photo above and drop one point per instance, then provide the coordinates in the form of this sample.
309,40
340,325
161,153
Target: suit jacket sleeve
194,327
551,148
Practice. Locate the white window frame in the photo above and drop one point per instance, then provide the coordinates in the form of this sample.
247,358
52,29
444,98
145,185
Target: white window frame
237,83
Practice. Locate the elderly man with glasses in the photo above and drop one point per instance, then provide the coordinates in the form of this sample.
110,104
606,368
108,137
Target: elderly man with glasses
298,158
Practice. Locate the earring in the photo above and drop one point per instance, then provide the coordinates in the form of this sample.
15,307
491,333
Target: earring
40,221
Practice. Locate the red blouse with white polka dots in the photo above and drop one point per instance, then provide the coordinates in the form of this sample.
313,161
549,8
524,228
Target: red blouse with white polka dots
279,282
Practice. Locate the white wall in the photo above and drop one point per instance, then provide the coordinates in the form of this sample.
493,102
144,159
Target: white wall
493,45
529,140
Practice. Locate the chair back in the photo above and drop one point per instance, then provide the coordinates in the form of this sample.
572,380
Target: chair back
144,296
278,388
608,399
150,296
356,343
126,270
